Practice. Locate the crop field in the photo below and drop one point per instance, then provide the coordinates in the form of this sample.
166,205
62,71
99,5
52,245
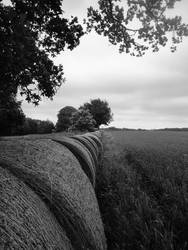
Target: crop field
176,142
142,189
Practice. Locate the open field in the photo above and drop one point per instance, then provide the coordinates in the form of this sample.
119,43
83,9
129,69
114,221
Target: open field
157,140
142,189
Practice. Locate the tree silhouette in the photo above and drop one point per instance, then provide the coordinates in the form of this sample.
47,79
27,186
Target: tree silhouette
82,120
33,126
100,111
137,25
64,118
33,31
11,117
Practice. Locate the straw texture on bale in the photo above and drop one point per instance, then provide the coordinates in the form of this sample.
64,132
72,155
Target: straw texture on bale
25,221
97,148
95,138
82,154
55,174
89,146
97,133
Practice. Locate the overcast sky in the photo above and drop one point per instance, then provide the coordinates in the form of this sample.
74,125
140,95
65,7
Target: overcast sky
146,92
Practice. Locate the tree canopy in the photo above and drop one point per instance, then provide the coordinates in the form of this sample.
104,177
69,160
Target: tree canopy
32,32
11,117
82,120
64,118
137,25
100,111
33,126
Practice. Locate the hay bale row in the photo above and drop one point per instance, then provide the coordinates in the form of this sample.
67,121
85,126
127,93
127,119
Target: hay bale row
86,147
55,175
96,138
97,149
78,146
93,142
82,154
89,146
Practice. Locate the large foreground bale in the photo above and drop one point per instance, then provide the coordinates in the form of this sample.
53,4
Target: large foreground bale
82,154
89,146
55,174
25,221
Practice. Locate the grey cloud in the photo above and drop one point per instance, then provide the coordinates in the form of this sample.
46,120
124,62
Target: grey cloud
173,107
170,85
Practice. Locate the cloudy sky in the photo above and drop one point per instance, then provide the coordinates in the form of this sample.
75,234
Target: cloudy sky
146,92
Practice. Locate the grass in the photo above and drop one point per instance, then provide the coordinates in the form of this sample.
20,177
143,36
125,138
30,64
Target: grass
142,190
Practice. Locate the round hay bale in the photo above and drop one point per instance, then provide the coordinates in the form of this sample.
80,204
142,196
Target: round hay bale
25,220
89,146
82,154
96,139
90,140
55,174
97,133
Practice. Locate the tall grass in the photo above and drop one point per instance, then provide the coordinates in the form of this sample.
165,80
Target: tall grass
143,196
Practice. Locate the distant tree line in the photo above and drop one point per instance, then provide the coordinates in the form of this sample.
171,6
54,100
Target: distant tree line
14,122
88,117
172,129
141,129
33,126
125,129
26,126
11,116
